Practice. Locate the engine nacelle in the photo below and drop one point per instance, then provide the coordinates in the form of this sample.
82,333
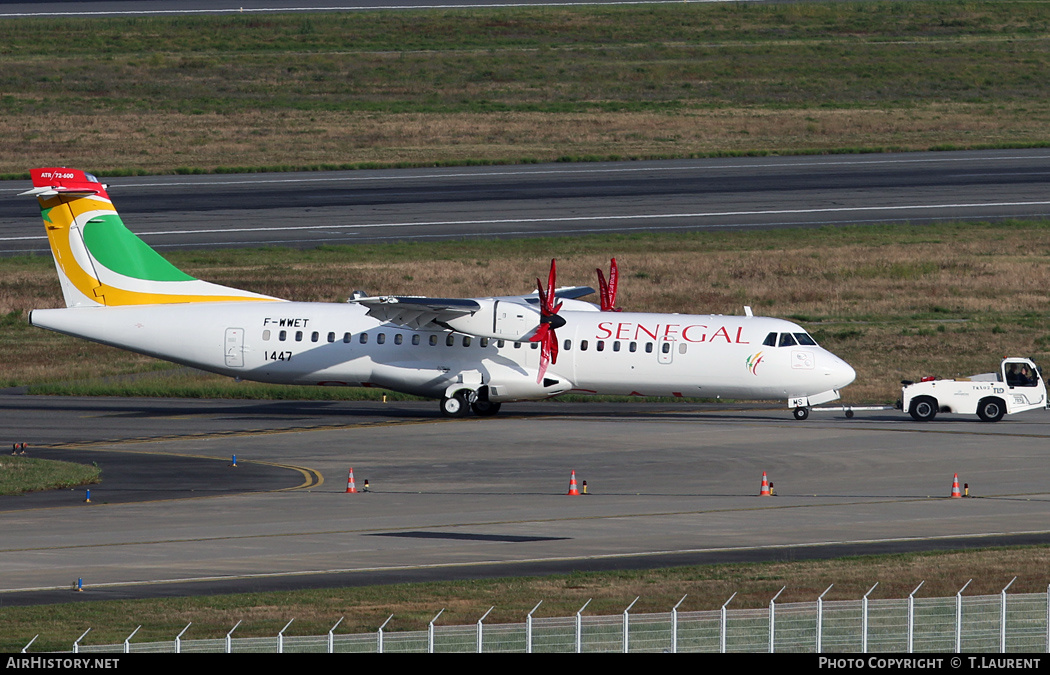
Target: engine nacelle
500,319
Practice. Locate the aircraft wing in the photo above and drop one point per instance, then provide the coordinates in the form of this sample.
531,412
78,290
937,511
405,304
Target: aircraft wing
563,293
417,312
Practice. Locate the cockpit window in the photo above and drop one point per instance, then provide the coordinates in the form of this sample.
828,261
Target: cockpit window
786,340
771,340
805,339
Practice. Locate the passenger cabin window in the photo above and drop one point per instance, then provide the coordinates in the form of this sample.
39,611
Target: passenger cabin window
415,338
282,336
266,335
567,345
433,340
346,338
364,338
331,337
398,338
600,345
315,336
583,345
450,340
381,338
298,336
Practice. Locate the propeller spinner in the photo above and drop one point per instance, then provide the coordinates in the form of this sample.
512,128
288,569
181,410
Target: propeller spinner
549,321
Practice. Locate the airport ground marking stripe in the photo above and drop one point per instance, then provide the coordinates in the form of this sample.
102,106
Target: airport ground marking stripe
526,561
311,477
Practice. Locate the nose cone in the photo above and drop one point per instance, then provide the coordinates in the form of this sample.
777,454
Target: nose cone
839,372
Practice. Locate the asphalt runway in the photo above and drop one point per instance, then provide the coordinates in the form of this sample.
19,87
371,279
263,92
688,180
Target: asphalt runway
346,207
667,485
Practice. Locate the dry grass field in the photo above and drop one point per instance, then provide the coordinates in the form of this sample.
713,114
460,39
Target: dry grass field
166,94
160,142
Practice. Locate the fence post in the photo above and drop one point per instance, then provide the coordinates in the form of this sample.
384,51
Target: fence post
864,621
528,628
430,632
1002,618
773,618
479,626
280,637
820,618
25,650
229,639
331,635
911,616
958,618
76,645
127,640
722,628
626,638
379,635
674,621
178,638
579,627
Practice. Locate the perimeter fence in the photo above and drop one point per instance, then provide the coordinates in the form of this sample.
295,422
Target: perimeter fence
1016,623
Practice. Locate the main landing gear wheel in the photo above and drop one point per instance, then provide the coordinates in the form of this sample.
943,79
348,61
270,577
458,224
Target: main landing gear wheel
923,409
484,408
457,405
991,409
801,413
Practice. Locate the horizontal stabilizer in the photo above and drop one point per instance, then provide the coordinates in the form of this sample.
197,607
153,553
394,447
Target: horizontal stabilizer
56,181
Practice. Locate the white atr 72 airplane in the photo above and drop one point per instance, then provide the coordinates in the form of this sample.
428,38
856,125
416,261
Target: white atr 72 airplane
472,354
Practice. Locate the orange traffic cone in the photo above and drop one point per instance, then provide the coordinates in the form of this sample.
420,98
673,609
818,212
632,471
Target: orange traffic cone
350,487
572,484
955,488
765,486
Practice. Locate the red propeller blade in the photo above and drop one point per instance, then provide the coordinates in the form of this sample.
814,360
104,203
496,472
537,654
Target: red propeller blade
549,319
607,290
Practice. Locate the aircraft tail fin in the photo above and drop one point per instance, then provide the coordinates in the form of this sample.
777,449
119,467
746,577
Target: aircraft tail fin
100,261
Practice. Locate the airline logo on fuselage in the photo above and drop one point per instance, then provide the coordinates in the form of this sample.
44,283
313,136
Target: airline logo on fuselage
695,332
753,361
